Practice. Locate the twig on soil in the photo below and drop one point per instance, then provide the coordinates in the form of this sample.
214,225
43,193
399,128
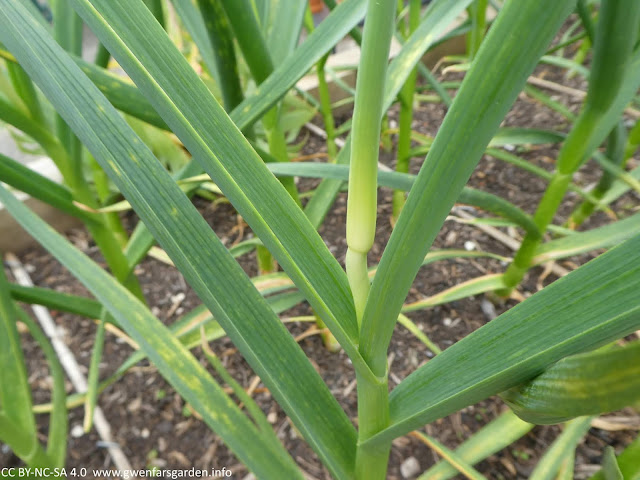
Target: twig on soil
310,332
111,328
70,364
614,424
574,92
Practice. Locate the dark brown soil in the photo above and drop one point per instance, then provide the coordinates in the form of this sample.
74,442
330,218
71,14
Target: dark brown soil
151,422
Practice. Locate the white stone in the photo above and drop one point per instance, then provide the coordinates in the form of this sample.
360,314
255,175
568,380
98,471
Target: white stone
410,467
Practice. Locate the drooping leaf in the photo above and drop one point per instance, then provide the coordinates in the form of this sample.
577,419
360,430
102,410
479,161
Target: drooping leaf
590,307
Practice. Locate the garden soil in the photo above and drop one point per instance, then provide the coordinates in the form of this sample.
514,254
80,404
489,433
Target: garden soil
153,425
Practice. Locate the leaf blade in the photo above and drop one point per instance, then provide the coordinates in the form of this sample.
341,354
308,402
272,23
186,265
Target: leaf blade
503,353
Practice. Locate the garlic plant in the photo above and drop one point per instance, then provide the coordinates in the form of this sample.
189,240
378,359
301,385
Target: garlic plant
541,341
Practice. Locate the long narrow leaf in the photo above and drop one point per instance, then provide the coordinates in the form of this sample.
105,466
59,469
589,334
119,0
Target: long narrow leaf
15,393
196,117
58,423
285,29
582,242
177,365
548,466
29,181
495,436
322,40
191,16
405,181
628,462
83,306
184,234
593,305
480,105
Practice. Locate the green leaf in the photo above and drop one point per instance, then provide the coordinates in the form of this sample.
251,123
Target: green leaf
15,393
83,306
525,136
495,436
405,181
58,425
322,40
590,307
31,182
551,462
475,286
221,37
610,466
285,28
122,94
184,234
628,462
263,455
582,242
588,384
497,75
199,121
194,22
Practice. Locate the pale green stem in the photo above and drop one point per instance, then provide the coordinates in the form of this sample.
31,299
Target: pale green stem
358,274
570,158
406,116
615,154
478,14
324,95
26,90
373,394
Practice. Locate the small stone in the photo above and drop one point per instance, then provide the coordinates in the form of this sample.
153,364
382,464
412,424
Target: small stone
447,322
145,433
77,431
410,467
272,417
488,309
451,238
469,245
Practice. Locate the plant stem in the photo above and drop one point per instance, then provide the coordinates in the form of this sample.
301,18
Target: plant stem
102,57
478,14
362,199
615,154
373,392
325,96
27,92
325,109
373,416
571,155
632,142
406,115
357,272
